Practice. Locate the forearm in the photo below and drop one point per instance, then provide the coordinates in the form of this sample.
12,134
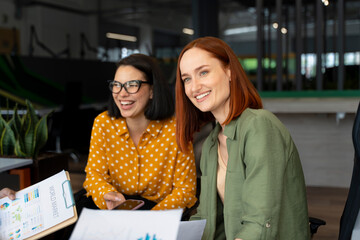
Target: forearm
97,185
179,198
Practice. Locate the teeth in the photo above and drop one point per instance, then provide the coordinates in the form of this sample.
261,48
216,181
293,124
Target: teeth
126,103
202,95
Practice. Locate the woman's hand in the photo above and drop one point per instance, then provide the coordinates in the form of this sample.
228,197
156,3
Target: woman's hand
7,192
113,199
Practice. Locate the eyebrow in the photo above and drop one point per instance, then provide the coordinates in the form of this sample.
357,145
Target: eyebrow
196,69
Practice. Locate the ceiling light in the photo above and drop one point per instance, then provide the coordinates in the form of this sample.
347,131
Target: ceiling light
240,30
188,31
121,37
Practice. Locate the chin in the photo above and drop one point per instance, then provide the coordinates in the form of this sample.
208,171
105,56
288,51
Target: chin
204,109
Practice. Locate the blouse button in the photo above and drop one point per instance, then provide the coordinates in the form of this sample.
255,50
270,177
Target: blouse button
267,225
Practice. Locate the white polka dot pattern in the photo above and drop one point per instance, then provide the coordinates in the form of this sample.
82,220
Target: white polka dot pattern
155,169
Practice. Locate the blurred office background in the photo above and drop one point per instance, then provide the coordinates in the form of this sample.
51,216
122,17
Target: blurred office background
302,55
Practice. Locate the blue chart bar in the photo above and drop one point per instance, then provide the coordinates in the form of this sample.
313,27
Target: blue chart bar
148,237
31,195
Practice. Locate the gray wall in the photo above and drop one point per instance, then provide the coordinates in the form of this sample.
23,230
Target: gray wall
322,131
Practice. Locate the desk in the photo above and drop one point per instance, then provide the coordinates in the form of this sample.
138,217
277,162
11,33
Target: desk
11,163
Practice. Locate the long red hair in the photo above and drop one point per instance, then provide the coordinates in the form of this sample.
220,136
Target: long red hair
242,92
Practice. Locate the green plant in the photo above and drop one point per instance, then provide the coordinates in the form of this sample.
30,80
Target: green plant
23,136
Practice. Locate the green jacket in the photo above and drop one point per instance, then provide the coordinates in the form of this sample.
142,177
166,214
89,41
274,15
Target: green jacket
265,194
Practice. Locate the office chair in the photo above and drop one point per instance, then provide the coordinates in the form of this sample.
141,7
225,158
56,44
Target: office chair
352,205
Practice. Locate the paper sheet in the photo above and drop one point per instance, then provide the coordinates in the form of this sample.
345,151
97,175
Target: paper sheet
191,230
36,208
127,224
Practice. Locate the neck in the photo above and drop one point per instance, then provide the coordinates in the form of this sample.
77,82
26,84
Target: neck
137,127
222,113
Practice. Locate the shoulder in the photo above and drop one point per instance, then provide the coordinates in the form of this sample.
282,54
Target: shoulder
104,119
251,117
171,121
103,116
168,123
162,128
255,122
260,114
259,123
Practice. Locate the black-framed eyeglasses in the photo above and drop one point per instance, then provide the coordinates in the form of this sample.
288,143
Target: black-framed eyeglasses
131,87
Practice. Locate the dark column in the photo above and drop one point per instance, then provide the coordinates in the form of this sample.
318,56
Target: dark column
305,38
341,45
259,44
279,57
334,37
287,48
269,56
299,45
205,18
319,43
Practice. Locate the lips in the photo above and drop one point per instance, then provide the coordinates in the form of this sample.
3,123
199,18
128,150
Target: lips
201,96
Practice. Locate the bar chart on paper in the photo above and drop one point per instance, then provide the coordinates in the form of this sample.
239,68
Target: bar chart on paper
127,224
149,237
37,209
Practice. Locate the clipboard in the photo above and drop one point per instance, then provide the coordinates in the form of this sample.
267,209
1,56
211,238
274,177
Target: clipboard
39,209
69,203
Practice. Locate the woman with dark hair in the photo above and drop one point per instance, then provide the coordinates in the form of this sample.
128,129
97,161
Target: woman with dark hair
252,183
133,149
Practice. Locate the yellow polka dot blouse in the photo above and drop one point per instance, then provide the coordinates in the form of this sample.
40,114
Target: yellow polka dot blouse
156,169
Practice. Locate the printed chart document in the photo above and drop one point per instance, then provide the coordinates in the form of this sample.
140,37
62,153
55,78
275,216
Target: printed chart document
39,209
136,225
127,224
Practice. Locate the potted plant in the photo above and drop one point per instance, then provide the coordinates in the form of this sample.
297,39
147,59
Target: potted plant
24,137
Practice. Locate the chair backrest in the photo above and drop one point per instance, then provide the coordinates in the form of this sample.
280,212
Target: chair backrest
352,205
356,134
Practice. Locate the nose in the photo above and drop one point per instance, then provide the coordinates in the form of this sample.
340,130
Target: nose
195,85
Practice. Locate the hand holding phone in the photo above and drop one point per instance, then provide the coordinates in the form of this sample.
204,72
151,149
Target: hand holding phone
113,199
130,204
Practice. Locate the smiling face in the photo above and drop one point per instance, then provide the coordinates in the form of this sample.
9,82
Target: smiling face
132,105
206,82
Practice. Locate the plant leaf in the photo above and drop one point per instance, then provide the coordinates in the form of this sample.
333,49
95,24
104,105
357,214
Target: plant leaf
7,139
15,123
18,150
40,135
26,141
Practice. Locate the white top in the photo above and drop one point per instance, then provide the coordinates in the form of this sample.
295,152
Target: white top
221,175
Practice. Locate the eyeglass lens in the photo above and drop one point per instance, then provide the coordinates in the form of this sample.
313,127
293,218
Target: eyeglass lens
132,86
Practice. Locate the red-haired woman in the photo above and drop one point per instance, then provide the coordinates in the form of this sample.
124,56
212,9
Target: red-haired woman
252,183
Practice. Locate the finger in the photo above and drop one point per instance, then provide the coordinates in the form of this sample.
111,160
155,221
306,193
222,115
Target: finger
7,192
113,199
111,205
114,196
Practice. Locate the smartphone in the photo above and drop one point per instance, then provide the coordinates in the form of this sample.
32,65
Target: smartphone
130,204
